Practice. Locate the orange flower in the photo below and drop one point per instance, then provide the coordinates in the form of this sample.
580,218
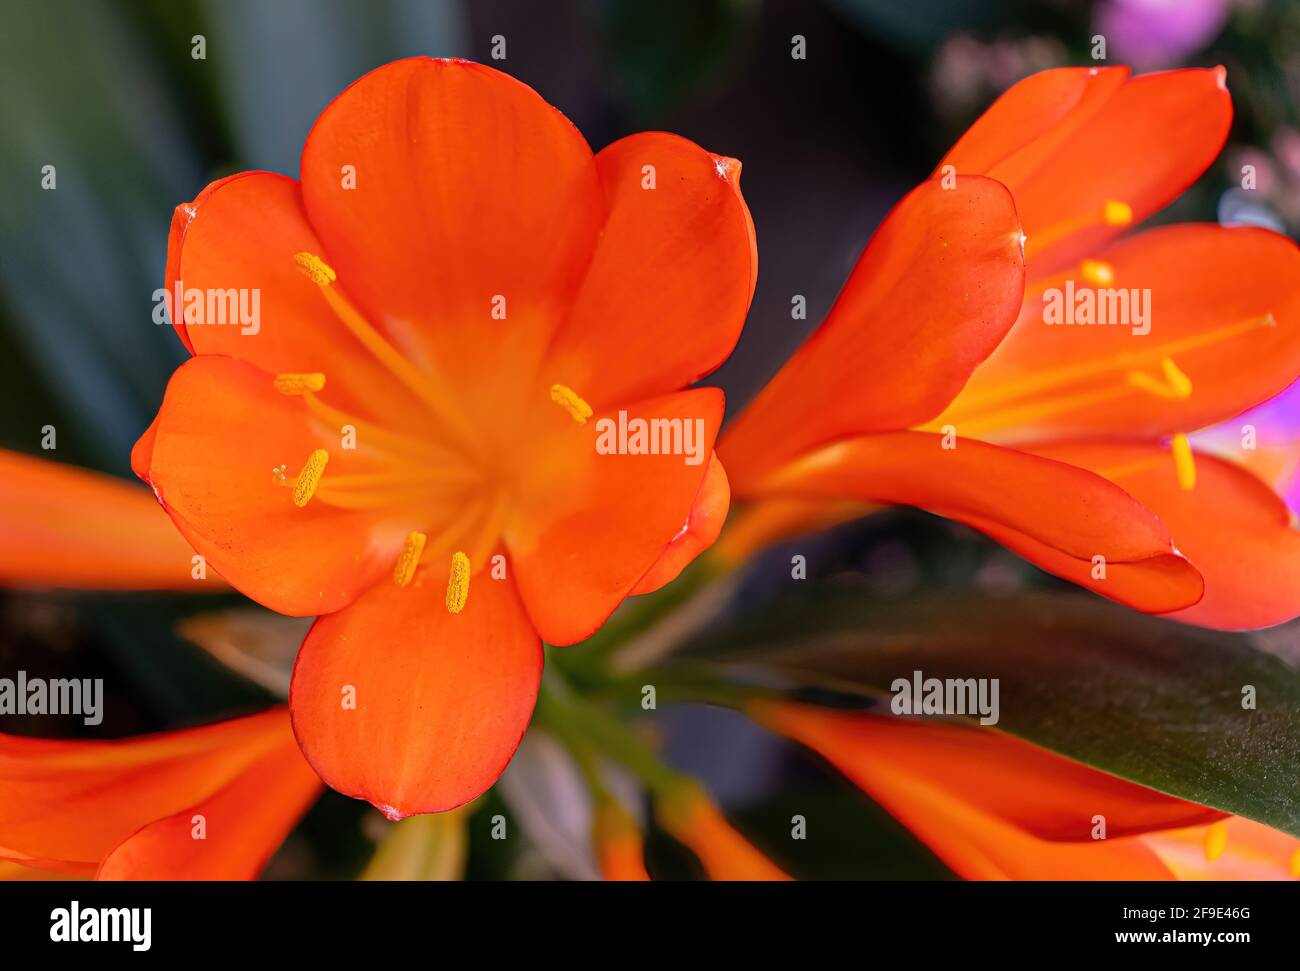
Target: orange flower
620,851
937,380
695,821
993,807
208,803
453,301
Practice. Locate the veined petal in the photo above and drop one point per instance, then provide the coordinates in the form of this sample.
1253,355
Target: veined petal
231,250
595,522
1220,305
415,709
933,294
672,277
470,195
1056,515
988,804
1139,143
221,432
1236,531
70,527
65,805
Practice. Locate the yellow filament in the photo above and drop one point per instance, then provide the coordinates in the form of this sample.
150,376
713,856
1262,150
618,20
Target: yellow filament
1097,272
1176,385
309,477
569,400
1112,213
317,270
1184,462
428,387
404,571
458,583
299,383
1216,840
1070,374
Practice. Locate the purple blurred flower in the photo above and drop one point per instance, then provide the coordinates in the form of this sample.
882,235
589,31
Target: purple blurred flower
1158,33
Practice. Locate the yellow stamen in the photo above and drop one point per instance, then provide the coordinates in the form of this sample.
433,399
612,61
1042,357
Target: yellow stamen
317,270
299,383
1295,864
1216,840
1176,385
1117,213
404,571
309,477
1184,462
1097,272
458,583
569,400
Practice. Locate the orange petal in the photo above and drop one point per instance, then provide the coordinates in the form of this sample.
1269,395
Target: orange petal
1140,143
1230,525
672,278
620,850
988,804
230,834
240,237
1224,308
1054,514
221,431
69,527
693,820
596,523
703,524
468,187
415,709
933,294
66,805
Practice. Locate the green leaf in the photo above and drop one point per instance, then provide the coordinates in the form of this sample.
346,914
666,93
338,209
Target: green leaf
1150,700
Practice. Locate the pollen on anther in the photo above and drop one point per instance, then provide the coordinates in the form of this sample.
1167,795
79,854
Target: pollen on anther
1097,272
407,562
309,477
1117,213
1216,840
571,402
317,270
458,583
1184,462
299,383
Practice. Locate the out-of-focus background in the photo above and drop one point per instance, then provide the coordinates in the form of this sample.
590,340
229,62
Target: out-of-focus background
112,95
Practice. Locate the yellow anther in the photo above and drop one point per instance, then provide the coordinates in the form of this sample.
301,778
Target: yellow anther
299,383
1097,272
1117,213
404,571
569,400
309,477
1295,864
1216,840
1184,462
458,583
317,270
1176,384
